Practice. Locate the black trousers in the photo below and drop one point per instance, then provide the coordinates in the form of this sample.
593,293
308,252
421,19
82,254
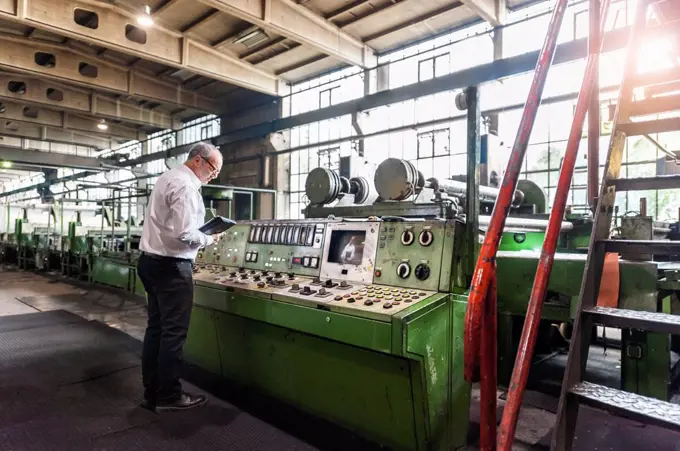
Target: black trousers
170,292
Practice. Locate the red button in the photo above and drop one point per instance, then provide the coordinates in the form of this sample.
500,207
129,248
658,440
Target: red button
378,273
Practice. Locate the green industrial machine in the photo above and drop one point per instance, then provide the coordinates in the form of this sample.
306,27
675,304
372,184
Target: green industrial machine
356,322
113,251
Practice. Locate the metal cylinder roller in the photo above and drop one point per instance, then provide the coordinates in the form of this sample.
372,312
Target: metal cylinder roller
397,179
322,186
456,188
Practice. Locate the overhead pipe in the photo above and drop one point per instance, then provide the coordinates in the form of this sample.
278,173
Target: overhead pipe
484,268
520,372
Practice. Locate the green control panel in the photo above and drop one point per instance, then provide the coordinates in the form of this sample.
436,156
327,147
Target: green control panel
369,268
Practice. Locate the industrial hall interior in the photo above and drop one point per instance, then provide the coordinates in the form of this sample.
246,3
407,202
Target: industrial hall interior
298,225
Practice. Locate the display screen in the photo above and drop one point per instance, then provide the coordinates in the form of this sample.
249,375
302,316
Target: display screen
347,247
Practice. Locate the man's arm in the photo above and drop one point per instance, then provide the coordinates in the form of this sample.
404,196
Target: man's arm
184,207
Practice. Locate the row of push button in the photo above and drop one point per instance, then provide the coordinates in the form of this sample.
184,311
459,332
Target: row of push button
376,295
251,256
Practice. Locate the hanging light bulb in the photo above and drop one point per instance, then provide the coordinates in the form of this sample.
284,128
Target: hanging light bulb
102,125
145,19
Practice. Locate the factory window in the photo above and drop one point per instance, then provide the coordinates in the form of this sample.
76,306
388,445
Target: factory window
86,18
45,59
55,95
329,158
17,87
206,132
329,97
88,70
433,67
168,142
135,34
30,112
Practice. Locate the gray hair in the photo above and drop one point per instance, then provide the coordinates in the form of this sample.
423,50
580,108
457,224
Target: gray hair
202,149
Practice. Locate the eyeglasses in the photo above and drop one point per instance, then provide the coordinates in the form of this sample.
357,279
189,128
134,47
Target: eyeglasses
212,166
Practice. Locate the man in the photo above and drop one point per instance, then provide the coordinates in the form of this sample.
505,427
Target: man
170,242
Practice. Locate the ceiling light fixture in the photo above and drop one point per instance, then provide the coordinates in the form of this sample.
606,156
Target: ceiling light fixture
102,125
6,164
145,19
251,37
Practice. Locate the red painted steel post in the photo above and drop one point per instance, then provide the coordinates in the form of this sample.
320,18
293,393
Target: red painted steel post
487,254
594,46
520,373
488,363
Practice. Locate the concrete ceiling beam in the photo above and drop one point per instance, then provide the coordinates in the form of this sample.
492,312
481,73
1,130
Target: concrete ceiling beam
40,133
19,55
52,159
493,11
52,95
298,23
20,112
112,27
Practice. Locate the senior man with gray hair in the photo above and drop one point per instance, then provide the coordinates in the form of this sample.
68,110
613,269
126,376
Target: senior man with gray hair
170,242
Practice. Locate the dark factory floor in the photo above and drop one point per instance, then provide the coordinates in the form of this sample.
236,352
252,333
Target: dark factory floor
69,379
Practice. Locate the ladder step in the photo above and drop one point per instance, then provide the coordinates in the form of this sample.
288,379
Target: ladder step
649,127
658,77
640,408
655,247
635,319
645,183
657,105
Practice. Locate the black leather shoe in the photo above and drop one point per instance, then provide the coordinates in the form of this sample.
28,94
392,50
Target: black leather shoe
185,402
149,405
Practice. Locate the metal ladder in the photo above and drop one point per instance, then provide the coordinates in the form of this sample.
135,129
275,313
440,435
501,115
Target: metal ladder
575,391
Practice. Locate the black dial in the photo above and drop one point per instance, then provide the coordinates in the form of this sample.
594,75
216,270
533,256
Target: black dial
425,238
407,237
422,271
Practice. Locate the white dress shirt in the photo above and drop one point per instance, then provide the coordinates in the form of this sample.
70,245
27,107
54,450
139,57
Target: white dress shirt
173,216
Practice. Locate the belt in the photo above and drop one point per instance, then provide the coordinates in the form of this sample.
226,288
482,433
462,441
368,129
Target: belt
166,258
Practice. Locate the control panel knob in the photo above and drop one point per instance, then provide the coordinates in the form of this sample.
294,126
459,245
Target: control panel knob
403,270
291,275
425,238
322,291
422,271
252,271
344,284
306,290
279,282
328,283
244,276
264,273
260,285
232,274
295,287
242,269
270,278
277,275
256,278
407,237
316,280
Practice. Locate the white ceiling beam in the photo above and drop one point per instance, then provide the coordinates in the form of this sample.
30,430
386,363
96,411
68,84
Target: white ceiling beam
298,23
56,96
160,45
